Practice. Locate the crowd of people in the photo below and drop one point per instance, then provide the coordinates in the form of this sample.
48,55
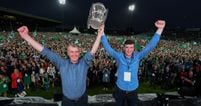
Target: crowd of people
173,63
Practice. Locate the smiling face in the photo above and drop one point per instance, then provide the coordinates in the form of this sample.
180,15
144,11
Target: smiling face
73,53
128,48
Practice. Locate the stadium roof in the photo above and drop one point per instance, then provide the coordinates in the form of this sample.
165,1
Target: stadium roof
14,12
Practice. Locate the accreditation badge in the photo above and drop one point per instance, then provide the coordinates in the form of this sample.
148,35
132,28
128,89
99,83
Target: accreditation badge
18,80
127,76
4,85
106,75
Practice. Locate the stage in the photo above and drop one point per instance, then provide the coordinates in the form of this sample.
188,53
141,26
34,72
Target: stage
149,99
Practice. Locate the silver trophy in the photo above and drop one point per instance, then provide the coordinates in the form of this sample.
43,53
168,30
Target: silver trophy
97,15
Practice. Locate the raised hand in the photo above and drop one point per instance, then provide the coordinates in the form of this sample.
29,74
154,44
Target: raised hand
23,31
160,24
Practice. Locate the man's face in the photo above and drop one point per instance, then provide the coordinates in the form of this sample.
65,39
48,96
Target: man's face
73,53
128,49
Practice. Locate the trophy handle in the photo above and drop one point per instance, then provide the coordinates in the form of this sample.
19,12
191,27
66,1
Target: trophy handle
106,13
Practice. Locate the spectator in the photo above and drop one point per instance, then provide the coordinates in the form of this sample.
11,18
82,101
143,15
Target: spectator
4,80
17,83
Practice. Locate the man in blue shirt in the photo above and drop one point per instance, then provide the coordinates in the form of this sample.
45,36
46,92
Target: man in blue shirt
73,70
127,66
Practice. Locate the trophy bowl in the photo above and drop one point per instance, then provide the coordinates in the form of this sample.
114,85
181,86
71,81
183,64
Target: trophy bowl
97,15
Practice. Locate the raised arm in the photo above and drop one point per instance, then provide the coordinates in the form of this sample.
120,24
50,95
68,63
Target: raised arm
97,41
160,24
24,33
107,46
55,58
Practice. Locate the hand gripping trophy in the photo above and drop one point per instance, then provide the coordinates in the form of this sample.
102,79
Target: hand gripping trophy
97,15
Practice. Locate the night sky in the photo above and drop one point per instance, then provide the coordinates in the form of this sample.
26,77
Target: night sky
177,13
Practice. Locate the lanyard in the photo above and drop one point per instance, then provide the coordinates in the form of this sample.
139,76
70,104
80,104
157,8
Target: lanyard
128,61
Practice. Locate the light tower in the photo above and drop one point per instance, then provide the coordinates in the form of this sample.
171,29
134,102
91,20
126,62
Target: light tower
131,7
62,3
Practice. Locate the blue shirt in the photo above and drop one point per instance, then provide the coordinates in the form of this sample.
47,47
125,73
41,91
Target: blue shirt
73,76
129,65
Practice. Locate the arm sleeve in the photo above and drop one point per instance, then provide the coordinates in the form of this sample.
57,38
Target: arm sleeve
150,46
88,57
53,57
108,48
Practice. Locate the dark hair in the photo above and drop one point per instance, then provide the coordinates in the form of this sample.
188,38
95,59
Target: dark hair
128,42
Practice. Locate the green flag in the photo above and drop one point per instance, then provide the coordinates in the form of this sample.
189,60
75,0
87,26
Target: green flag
137,46
35,33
